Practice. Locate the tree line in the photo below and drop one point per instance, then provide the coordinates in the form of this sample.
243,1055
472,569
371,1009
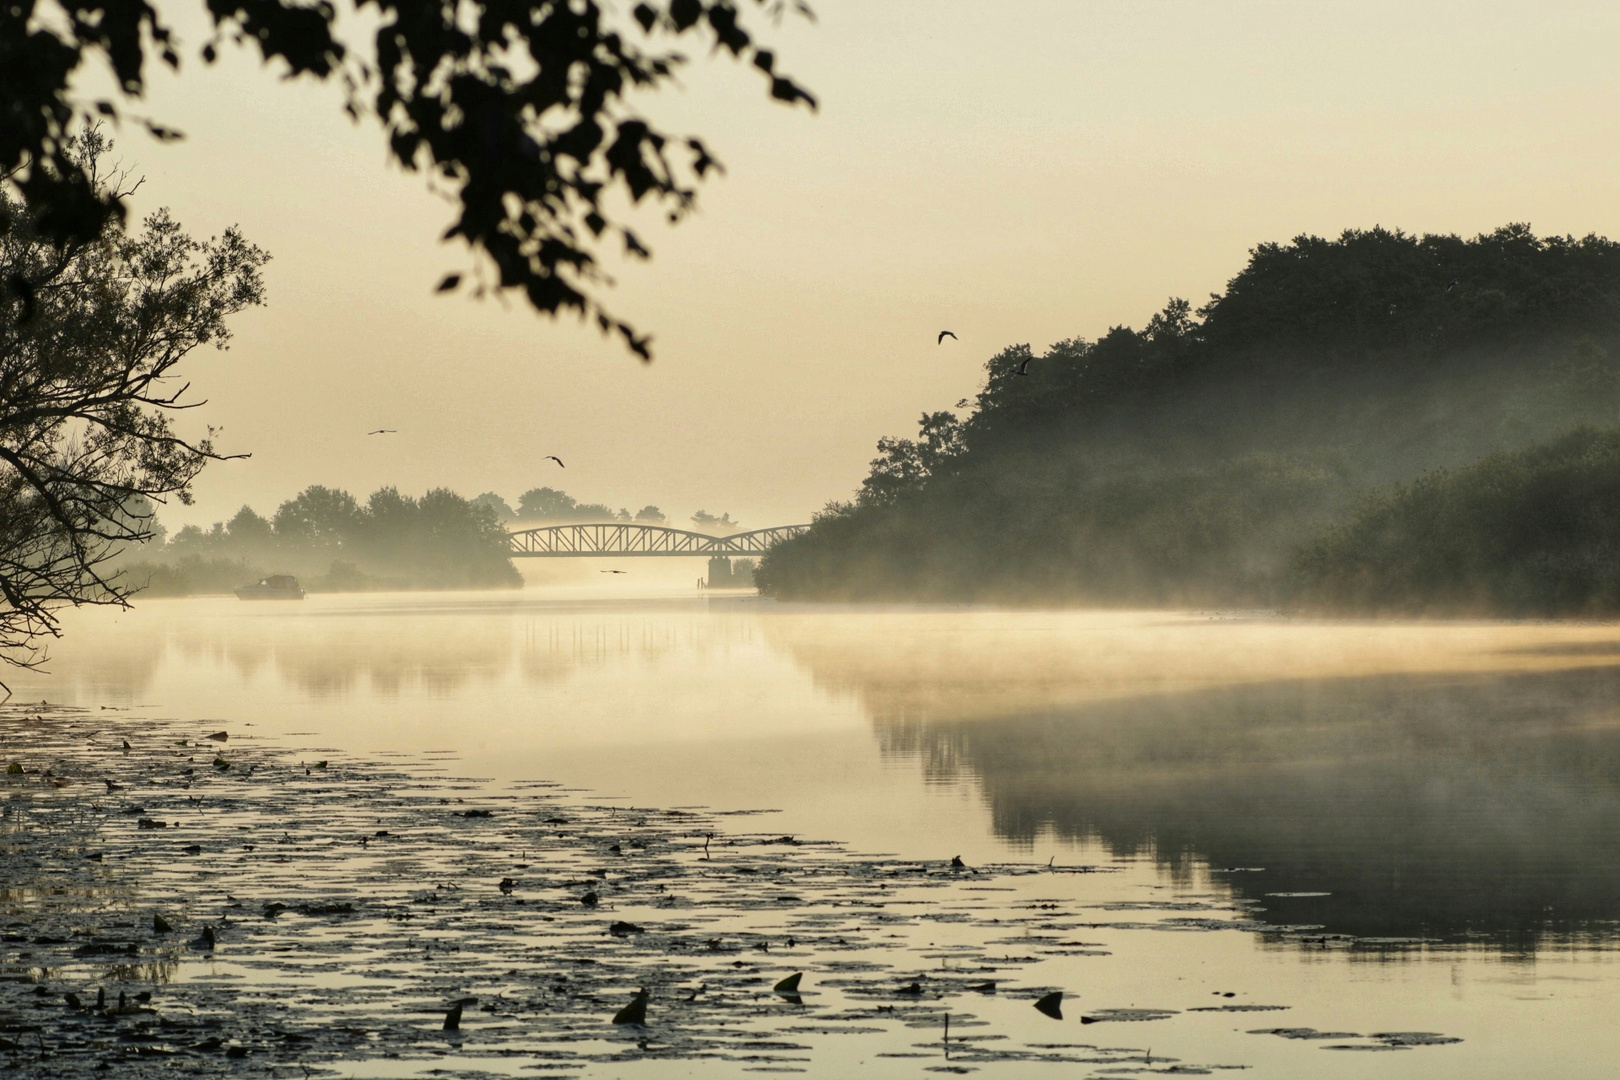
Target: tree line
1197,460
391,541
549,506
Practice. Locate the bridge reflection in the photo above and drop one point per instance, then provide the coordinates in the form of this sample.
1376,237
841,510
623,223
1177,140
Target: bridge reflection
625,540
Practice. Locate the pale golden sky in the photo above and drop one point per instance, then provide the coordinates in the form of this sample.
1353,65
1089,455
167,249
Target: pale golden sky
1012,171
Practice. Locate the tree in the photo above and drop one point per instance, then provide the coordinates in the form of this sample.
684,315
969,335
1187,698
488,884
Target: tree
503,512
904,465
318,517
250,527
546,504
705,522
520,107
88,356
651,515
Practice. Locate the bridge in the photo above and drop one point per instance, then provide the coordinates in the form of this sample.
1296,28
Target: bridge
620,541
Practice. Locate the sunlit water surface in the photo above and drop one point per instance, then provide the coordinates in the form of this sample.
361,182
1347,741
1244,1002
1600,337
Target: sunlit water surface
1454,783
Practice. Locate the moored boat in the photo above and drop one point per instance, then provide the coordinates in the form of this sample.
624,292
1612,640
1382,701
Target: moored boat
274,587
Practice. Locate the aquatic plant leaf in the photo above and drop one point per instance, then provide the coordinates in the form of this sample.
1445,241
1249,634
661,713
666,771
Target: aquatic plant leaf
635,1012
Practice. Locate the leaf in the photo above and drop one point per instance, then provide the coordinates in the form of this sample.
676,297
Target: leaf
635,1012
786,90
685,13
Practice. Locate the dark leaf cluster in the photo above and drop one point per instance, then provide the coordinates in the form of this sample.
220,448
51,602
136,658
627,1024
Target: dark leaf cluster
523,108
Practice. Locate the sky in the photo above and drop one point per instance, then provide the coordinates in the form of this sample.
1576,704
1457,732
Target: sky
1016,172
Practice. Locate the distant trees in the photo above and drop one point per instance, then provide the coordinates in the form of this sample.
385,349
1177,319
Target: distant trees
503,512
92,331
440,541
550,506
705,522
318,518
1188,461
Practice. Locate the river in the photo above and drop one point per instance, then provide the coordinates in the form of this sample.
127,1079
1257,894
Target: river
1424,817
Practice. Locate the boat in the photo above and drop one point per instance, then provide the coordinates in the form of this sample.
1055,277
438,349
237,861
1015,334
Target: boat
274,587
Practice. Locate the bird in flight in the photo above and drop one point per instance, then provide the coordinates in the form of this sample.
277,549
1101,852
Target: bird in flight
1023,369
614,571
1453,285
943,334
383,431
558,460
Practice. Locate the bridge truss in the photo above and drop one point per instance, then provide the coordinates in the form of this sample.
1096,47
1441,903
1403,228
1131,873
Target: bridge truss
623,540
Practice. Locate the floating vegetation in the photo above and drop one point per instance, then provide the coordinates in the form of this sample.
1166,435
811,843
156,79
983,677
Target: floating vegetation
314,919
1105,1015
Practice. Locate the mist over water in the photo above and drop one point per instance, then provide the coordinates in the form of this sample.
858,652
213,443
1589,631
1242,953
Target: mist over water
1455,781
1419,820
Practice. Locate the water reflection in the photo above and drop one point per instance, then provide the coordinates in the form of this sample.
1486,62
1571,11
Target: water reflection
1467,805
382,648
1459,781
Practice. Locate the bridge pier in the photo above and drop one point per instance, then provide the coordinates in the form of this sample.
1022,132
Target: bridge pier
724,573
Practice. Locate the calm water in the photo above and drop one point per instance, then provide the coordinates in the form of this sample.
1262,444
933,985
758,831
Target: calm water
1455,783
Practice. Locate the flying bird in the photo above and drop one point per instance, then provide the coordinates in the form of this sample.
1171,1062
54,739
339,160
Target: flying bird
383,431
558,460
1454,283
613,571
1023,369
943,334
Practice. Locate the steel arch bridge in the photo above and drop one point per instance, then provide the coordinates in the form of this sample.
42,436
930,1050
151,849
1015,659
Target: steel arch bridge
622,540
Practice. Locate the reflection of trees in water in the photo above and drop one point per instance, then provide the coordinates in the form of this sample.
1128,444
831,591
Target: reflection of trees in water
443,650
1444,805
329,657
553,649
121,672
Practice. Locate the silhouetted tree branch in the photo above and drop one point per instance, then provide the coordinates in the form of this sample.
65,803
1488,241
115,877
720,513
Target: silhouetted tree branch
87,359
520,106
